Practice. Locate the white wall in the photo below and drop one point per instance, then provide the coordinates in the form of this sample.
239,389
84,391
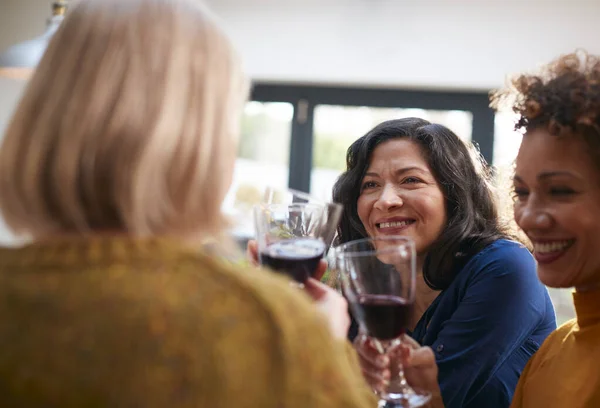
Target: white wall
459,44
464,44
22,20
10,92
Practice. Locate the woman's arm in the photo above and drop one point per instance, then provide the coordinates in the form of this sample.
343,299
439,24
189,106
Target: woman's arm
502,305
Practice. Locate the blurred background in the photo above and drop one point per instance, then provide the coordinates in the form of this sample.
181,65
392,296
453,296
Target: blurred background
326,71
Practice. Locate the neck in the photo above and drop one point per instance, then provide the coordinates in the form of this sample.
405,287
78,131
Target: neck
591,284
588,287
424,295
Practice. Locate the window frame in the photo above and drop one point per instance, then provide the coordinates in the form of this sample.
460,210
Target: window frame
304,98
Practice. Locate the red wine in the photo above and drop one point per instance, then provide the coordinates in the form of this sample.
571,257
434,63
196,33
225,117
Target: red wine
298,258
384,316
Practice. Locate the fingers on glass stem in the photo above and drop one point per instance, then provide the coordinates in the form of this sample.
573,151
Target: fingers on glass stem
379,380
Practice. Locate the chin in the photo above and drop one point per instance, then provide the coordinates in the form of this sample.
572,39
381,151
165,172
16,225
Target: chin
556,277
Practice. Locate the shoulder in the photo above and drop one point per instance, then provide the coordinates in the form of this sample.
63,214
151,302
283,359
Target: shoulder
503,258
565,330
176,298
195,287
269,295
283,323
557,338
505,251
552,345
166,316
260,300
506,270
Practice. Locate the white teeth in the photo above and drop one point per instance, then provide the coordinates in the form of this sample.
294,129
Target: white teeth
395,224
547,247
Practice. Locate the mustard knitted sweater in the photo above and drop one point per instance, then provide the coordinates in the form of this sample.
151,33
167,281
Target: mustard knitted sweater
117,322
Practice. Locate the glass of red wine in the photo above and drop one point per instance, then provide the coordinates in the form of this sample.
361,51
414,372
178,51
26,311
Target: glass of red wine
379,282
293,238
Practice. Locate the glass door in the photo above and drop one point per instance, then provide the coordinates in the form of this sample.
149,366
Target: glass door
262,160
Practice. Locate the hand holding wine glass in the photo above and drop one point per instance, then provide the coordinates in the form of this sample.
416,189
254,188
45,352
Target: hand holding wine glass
375,366
379,281
328,301
420,368
333,306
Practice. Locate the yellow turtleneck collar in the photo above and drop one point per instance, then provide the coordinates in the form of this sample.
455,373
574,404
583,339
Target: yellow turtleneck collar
587,307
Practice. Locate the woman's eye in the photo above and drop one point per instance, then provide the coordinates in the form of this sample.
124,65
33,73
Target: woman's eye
368,184
412,180
561,191
520,194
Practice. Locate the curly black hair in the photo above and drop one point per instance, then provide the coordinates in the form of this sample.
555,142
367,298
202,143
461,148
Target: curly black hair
563,98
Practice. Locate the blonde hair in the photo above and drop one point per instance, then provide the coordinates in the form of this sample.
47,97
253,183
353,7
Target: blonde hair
129,124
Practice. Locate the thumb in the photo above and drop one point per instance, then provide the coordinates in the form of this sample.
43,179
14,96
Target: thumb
421,357
252,252
321,269
315,289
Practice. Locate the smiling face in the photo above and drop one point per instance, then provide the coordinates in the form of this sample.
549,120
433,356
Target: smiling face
557,191
400,196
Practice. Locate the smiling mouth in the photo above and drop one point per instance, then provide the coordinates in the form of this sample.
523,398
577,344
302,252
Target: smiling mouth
394,225
550,251
551,247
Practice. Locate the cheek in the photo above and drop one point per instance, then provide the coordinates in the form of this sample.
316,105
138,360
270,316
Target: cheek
435,208
517,213
577,220
585,225
363,209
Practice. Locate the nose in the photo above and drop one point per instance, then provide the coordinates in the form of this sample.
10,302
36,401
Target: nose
388,200
532,215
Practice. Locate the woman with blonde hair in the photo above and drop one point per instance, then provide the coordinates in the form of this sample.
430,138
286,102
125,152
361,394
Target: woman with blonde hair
114,167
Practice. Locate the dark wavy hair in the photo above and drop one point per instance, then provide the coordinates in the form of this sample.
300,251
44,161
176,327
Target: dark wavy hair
472,216
564,98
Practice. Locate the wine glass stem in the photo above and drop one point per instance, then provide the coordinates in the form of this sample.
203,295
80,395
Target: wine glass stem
296,284
398,384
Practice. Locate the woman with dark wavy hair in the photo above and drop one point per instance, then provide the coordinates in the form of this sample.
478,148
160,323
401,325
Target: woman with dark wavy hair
480,311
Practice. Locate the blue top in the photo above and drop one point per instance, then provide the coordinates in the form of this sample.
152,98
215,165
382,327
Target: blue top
486,325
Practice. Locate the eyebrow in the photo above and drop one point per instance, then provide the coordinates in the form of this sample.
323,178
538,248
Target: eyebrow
547,175
399,171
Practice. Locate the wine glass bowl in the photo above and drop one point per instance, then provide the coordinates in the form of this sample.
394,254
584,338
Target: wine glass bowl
331,215
294,231
289,238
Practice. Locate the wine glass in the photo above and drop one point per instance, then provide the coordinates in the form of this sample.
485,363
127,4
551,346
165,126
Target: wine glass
379,281
293,238
332,214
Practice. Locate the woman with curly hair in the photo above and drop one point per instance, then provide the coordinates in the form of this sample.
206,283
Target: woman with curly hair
557,204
